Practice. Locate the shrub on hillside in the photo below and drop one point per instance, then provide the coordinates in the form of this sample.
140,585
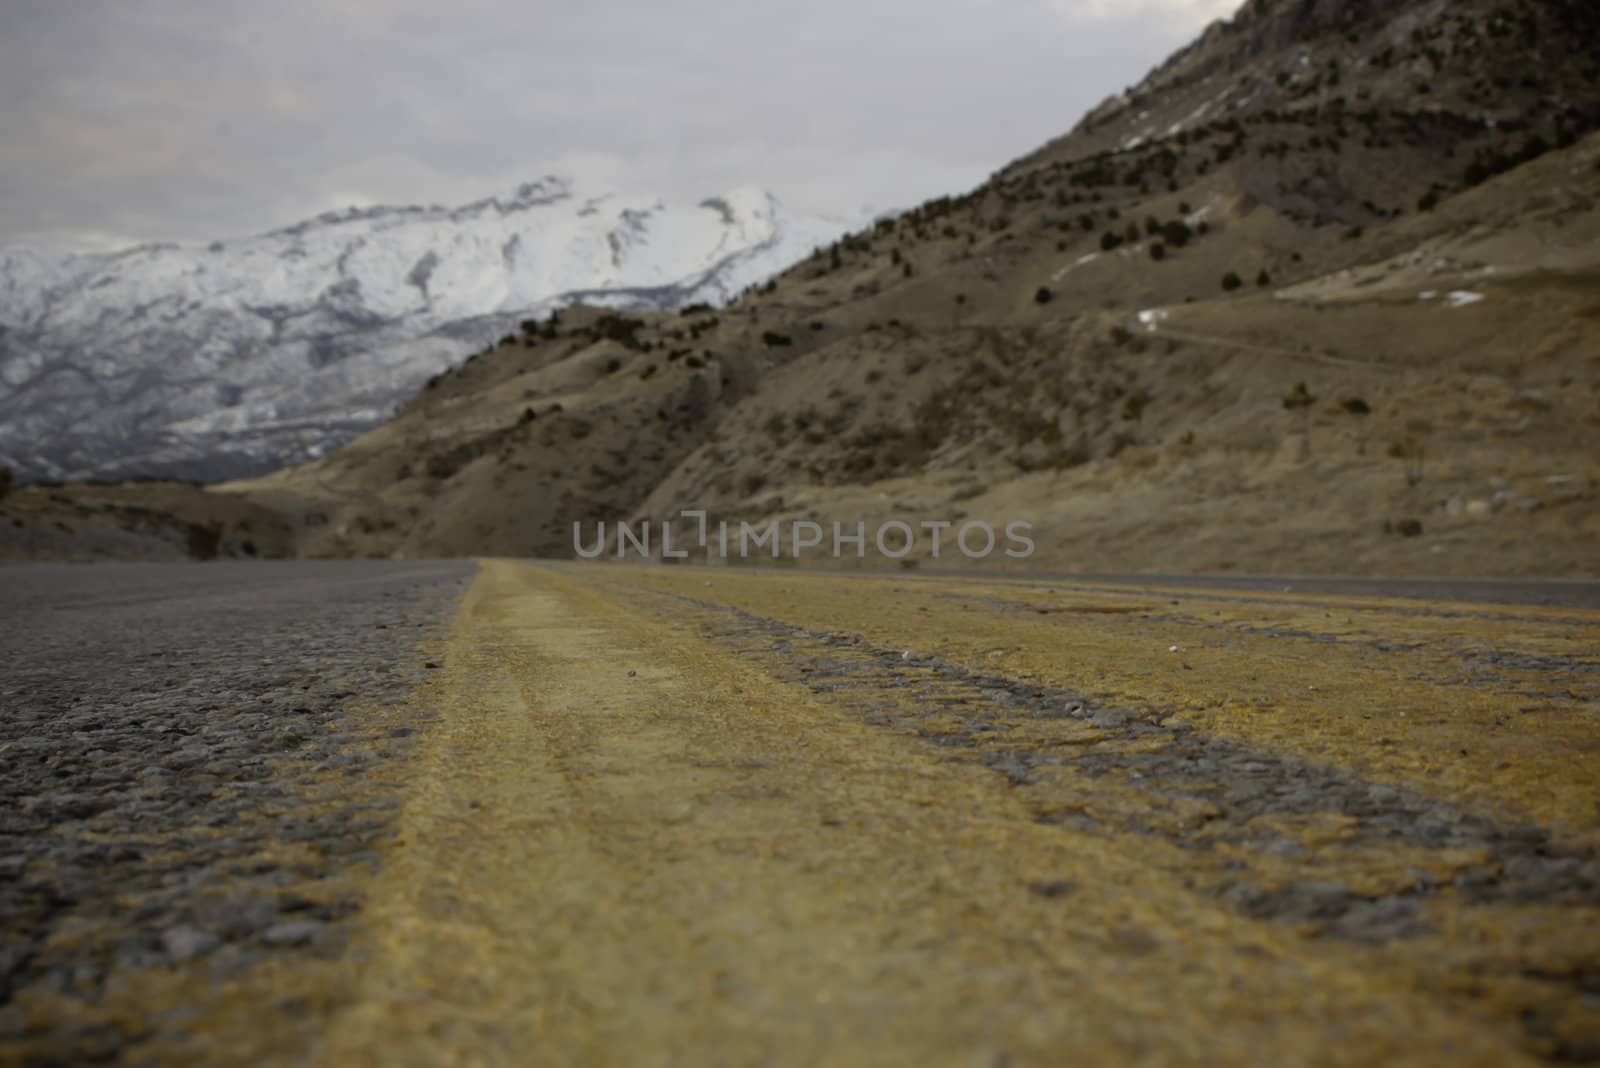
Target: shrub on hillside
622,329
1231,281
205,541
1298,398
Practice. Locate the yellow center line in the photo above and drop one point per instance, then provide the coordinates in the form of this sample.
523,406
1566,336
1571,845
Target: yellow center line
625,845
1521,743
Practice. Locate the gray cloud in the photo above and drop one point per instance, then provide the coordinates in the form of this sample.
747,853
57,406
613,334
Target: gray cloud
190,119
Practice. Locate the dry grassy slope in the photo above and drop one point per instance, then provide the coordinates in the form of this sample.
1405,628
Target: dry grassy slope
137,521
574,420
1171,447
1351,109
982,354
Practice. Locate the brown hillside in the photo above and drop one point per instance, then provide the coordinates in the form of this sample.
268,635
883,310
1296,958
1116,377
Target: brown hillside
1397,206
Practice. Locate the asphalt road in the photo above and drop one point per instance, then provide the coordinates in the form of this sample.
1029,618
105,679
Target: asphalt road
165,734
701,816
1546,593
349,814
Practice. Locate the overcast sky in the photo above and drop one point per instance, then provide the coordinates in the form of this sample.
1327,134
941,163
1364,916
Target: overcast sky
137,120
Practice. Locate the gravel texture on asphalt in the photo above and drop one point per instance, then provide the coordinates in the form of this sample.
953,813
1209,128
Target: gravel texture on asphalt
1198,791
1544,593
172,742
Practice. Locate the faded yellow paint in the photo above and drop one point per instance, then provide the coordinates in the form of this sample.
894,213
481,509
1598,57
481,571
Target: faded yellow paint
1525,744
625,844
626,840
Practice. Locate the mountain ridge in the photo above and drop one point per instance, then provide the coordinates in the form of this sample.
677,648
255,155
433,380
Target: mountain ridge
186,360
1302,317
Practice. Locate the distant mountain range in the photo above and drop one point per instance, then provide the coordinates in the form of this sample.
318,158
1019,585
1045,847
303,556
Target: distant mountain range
220,361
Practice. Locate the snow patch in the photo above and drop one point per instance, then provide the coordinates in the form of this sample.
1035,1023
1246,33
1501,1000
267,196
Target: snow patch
1203,212
1152,318
1081,261
319,329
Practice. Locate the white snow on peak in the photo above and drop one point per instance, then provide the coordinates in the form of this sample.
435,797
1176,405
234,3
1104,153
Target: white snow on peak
194,360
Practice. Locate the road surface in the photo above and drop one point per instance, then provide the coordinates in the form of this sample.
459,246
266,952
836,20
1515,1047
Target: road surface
690,816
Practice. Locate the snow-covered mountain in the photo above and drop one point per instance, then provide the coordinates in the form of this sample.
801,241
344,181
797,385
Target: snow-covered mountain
245,355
